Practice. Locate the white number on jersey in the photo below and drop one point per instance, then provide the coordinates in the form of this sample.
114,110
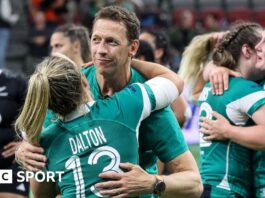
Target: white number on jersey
73,163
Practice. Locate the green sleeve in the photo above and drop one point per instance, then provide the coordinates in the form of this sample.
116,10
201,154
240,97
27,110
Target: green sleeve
161,133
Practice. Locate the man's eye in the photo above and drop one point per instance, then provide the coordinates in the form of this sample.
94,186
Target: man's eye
113,43
95,40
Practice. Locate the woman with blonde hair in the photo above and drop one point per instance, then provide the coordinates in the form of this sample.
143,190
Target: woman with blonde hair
87,130
194,59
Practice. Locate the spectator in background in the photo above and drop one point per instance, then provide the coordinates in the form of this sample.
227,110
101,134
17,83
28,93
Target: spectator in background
12,90
7,19
212,23
72,41
184,31
160,44
88,10
39,36
54,10
145,52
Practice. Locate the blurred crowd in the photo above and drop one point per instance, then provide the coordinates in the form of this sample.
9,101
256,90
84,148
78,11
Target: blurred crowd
26,25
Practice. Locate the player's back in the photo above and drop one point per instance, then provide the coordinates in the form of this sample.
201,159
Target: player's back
86,146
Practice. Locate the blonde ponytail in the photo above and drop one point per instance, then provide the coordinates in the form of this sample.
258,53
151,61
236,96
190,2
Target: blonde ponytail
56,84
35,107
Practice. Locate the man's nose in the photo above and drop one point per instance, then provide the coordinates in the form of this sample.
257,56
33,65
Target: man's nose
102,48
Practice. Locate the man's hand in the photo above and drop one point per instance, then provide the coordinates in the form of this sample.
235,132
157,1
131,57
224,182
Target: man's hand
9,149
214,129
133,183
31,157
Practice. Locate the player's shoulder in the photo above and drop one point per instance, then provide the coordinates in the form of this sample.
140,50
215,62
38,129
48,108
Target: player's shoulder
88,70
136,77
49,134
244,82
242,87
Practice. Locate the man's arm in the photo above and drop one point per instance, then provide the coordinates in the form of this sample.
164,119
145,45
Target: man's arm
180,107
150,70
30,157
184,178
43,189
183,181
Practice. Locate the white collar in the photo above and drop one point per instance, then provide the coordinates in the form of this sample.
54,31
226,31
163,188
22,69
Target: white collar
78,112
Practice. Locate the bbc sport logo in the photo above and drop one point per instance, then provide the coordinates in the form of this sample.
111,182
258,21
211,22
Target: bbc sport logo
6,176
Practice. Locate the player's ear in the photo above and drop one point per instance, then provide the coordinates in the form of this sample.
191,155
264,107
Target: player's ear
134,47
247,51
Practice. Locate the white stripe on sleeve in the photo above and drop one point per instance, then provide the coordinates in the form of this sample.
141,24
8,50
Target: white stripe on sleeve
164,90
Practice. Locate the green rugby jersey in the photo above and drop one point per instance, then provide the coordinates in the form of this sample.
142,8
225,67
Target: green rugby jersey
97,138
223,162
159,135
259,169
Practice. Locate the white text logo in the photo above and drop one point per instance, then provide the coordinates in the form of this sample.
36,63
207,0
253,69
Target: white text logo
6,177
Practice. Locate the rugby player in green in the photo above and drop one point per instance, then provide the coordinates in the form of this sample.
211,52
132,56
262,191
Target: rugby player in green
224,163
89,137
114,31
251,137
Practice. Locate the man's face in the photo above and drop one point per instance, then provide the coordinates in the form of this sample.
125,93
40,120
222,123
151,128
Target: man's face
61,44
110,48
260,48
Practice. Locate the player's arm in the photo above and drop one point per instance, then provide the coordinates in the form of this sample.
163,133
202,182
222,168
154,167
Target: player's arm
218,76
180,108
220,129
43,189
150,70
183,181
30,157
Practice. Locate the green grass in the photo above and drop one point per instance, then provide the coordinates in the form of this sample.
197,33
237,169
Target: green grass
195,150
